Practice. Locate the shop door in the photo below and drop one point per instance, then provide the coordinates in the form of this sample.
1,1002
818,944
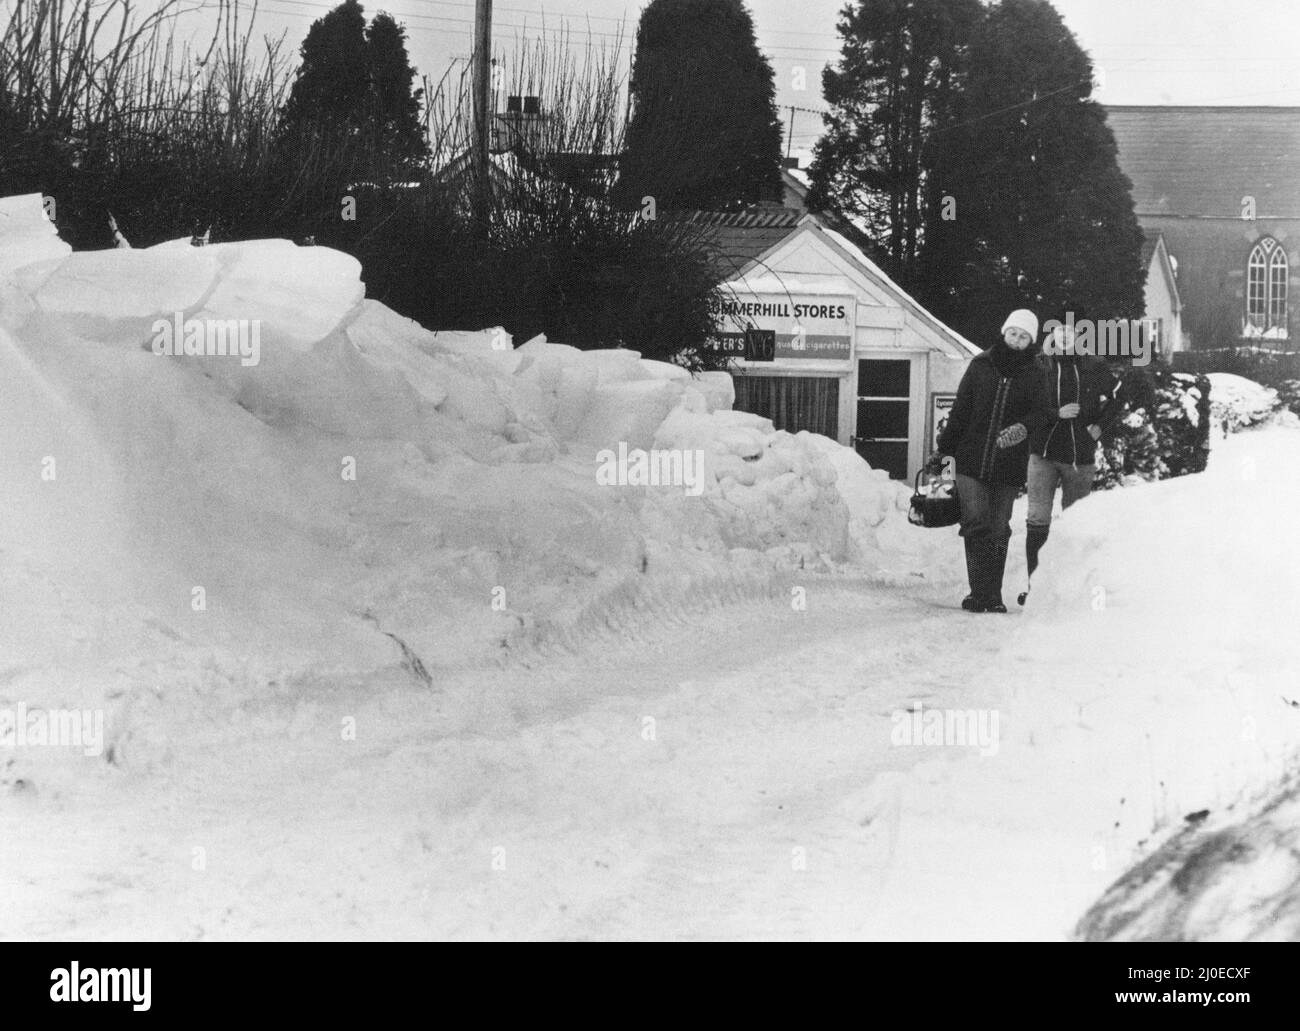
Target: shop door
884,402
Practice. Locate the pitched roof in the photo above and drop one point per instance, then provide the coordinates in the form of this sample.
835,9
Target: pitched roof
741,239
1201,161
738,239
1150,238
1152,241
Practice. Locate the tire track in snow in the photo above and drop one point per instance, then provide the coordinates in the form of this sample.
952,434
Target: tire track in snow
770,726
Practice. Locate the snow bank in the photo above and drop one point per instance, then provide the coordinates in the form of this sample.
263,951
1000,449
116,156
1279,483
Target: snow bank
355,492
1151,678
1237,402
26,235
883,540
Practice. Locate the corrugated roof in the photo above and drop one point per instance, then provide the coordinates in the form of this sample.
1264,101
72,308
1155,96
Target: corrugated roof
1201,161
759,217
737,239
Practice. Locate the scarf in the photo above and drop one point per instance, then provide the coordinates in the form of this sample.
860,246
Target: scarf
1008,362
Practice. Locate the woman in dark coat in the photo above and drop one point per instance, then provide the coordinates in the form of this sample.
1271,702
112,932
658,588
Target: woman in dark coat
1002,399
1085,400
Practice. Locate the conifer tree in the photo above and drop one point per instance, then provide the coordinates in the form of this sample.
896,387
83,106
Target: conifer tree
394,102
1026,203
353,95
899,69
704,131
332,82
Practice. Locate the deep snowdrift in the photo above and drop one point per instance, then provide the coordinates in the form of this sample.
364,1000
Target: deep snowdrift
1151,679
352,492
183,535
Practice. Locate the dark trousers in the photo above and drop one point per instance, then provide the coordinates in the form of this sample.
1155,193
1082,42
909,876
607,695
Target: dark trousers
985,508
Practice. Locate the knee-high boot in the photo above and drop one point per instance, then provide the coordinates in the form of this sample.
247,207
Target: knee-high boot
973,573
1035,538
994,569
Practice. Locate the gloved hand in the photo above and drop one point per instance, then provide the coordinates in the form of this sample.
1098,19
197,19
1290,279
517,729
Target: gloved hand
1012,435
1070,411
1095,430
934,465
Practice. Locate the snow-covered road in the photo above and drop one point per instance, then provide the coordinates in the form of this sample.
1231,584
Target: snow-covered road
194,553
728,770
710,778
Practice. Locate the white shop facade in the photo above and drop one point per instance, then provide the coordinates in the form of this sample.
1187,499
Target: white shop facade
824,341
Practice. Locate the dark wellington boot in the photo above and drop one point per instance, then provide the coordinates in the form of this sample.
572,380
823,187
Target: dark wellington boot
1035,538
995,565
971,601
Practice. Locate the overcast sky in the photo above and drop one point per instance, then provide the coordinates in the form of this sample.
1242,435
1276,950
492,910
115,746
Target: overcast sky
1151,51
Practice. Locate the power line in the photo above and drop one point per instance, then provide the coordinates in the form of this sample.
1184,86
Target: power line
795,48
784,53
328,7
467,24
563,17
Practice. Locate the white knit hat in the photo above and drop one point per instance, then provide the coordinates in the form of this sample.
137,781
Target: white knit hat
1022,318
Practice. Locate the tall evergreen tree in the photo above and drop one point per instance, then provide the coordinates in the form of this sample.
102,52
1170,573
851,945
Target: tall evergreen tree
332,84
897,76
1026,203
353,91
704,131
395,104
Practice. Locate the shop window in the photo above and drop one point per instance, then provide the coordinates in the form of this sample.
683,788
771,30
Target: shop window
793,403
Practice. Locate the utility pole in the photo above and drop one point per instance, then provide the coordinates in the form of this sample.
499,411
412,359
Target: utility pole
481,162
789,138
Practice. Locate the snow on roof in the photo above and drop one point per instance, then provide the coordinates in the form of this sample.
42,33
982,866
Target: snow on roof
799,175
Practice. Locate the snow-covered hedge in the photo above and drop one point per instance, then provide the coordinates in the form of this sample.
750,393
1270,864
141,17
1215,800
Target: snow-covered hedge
1288,395
1237,402
1164,432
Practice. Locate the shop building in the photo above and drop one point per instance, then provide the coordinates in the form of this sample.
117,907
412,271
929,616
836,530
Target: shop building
824,341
